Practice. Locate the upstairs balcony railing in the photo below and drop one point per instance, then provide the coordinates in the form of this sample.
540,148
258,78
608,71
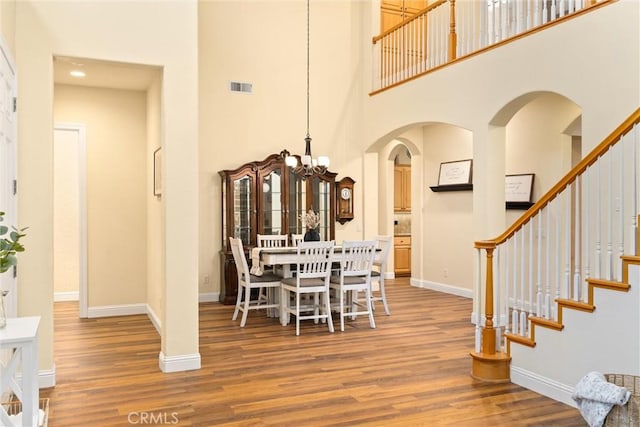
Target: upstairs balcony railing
448,30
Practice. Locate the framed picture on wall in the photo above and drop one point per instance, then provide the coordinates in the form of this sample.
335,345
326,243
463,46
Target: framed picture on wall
518,188
455,173
157,172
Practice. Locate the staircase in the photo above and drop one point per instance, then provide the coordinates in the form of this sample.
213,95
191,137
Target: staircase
560,286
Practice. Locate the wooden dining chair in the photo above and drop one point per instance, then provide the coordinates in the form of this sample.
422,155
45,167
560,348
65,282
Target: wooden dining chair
312,279
383,244
356,263
248,281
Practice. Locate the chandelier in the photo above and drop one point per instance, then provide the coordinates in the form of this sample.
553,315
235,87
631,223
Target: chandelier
309,165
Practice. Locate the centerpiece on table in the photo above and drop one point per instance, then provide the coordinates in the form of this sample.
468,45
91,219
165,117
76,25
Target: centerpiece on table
9,246
311,221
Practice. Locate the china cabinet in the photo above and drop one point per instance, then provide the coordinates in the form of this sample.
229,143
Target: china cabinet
266,197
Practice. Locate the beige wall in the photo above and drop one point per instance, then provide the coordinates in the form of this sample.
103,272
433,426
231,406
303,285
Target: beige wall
116,187
122,32
264,43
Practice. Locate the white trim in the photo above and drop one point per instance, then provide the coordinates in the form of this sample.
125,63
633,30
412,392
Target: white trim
542,385
66,296
117,310
155,320
209,297
441,287
4,47
184,362
47,377
82,208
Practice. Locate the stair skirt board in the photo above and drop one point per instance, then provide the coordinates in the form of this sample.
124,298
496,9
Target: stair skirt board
605,340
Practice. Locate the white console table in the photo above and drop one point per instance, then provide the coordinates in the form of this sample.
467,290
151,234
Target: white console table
21,335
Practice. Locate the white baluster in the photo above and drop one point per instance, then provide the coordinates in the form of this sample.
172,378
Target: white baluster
523,315
547,301
576,265
621,170
557,237
507,288
567,242
586,190
609,207
598,242
554,10
515,312
478,291
531,285
497,291
539,268
634,192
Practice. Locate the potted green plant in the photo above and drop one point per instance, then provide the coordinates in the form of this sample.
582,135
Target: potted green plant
9,247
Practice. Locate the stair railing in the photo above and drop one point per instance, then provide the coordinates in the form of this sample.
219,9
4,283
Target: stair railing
447,30
578,230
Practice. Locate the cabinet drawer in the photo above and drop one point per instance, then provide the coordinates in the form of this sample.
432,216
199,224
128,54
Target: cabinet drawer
402,240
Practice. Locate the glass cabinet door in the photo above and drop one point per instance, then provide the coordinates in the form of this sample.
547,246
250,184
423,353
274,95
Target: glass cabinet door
243,209
321,191
297,203
272,203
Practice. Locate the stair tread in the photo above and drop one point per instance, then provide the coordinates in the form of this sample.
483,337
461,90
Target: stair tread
520,339
578,305
609,284
549,323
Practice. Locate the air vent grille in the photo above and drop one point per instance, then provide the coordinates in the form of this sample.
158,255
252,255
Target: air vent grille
240,87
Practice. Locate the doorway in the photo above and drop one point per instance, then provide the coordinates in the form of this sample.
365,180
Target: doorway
70,215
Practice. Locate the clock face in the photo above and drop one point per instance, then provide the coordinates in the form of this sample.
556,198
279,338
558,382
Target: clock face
345,193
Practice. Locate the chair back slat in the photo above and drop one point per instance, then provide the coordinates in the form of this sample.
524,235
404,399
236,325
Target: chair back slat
357,257
272,240
314,259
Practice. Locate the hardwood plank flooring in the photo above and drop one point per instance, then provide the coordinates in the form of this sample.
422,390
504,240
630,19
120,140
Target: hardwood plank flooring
412,370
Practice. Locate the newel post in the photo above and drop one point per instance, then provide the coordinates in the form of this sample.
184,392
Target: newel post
488,364
453,37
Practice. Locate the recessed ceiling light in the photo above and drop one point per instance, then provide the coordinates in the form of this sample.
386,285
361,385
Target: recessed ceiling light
78,73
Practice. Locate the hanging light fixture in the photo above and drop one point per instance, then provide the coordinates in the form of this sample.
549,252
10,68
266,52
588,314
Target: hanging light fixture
309,165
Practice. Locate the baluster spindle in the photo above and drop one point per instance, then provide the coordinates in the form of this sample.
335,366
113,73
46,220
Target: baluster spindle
586,226
523,308
567,242
515,313
577,242
539,268
547,301
609,207
621,200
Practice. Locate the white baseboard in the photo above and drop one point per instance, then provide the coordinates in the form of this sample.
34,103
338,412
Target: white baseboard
66,296
184,362
542,385
155,320
441,287
47,378
209,297
117,310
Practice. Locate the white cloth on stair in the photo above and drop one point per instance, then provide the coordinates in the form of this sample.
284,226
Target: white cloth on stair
596,396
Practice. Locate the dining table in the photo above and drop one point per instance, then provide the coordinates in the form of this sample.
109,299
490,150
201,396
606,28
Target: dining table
286,257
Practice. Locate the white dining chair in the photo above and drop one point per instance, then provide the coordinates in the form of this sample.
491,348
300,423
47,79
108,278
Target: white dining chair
383,244
296,238
272,240
356,263
248,281
312,279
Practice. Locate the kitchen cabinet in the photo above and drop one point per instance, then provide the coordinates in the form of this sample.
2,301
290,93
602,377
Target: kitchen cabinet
393,12
402,188
266,197
402,255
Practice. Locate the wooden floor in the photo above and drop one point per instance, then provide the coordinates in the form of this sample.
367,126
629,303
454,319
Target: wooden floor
412,370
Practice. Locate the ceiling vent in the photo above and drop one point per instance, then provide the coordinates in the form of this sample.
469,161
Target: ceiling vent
240,87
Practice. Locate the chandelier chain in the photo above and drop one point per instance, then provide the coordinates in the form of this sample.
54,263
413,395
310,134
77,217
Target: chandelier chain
308,69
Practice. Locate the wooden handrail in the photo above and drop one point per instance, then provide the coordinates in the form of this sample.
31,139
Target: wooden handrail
569,178
405,22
